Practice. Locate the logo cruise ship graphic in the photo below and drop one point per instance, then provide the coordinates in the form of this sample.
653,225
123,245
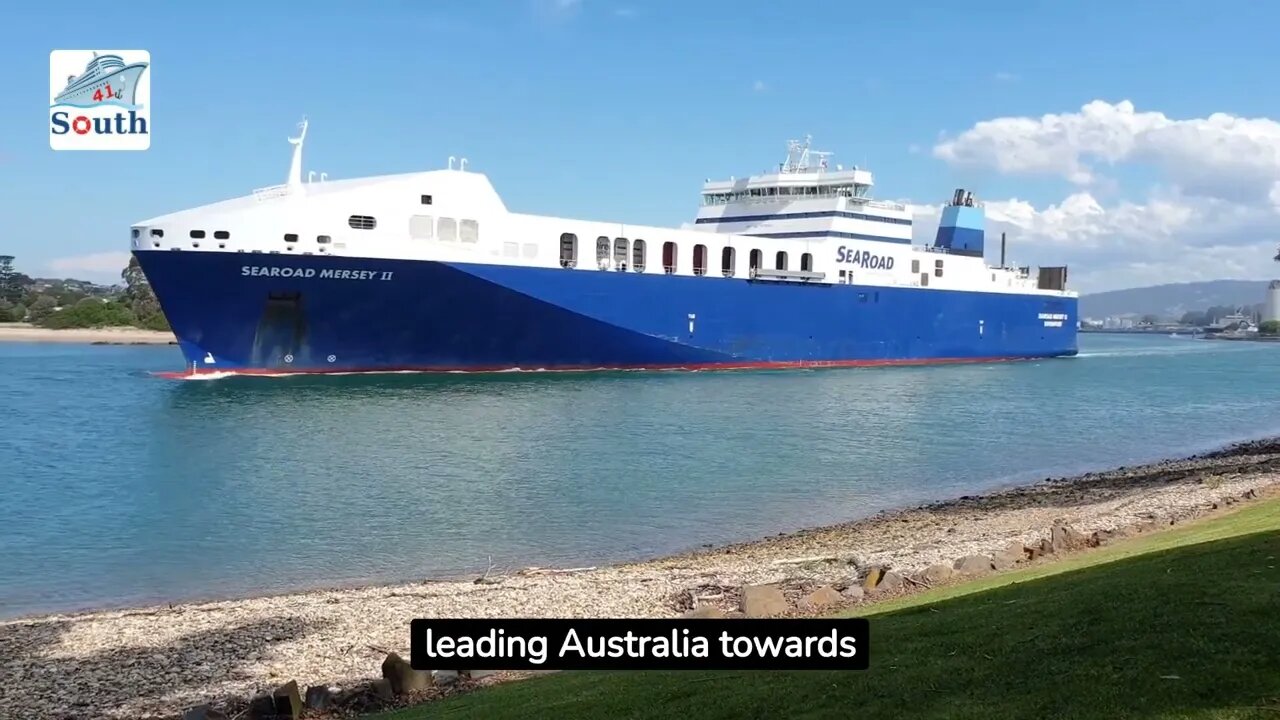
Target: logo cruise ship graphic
106,80
99,99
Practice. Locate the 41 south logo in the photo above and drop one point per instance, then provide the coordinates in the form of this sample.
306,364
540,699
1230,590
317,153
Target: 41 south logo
99,100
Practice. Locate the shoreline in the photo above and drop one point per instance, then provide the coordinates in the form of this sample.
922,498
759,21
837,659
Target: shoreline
226,650
25,332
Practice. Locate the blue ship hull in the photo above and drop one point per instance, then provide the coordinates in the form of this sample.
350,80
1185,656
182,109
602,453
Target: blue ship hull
252,312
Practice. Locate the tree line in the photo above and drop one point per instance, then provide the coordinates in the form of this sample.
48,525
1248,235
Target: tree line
69,303
1217,312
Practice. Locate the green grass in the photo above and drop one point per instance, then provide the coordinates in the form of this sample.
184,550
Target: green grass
1183,623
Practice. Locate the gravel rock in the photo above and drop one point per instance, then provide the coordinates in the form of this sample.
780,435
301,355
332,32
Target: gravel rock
973,565
403,678
763,601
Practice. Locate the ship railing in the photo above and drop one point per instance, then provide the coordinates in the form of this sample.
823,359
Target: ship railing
879,204
789,275
267,193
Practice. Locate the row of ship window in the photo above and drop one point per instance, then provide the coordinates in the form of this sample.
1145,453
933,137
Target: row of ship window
420,226
620,250
635,249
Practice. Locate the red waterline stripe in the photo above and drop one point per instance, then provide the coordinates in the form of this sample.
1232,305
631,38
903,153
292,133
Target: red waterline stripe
748,365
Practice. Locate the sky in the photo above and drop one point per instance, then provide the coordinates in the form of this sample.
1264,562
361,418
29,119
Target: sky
1137,142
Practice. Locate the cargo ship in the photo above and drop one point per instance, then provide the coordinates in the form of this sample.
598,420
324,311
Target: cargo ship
797,267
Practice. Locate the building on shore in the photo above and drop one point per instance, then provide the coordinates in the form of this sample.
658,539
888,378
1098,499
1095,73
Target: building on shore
1271,304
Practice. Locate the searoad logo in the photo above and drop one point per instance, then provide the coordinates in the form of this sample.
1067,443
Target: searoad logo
99,100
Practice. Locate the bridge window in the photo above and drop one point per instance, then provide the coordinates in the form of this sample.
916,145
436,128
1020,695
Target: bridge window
781,260
323,239
727,261
915,266
756,259
637,255
157,232
937,268
221,235
447,229
469,231
422,227
362,222
699,259
806,262
197,234
668,257
426,199
620,249
568,250
291,237
602,251
924,279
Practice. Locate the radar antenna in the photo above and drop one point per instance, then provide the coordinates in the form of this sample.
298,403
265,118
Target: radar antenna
799,155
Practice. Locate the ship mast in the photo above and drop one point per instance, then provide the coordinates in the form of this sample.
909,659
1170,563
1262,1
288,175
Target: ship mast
295,167
799,155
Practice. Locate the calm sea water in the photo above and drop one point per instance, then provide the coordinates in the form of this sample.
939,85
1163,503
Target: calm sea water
120,488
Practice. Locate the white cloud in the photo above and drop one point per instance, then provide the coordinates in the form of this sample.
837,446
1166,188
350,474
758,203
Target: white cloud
98,264
1217,156
625,12
1004,76
1213,211
758,86
556,10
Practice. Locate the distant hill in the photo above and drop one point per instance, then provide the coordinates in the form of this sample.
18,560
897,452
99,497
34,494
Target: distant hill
1171,301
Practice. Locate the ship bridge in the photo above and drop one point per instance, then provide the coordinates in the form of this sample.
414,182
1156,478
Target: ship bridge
804,197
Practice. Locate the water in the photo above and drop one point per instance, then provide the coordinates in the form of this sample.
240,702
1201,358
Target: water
120,488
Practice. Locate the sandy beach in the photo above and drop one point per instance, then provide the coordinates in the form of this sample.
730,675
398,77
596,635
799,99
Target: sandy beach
153,662
24,332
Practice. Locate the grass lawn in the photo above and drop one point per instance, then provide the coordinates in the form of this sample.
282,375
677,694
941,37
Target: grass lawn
1183,623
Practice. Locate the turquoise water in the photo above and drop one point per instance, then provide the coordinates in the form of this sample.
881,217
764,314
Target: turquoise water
120,488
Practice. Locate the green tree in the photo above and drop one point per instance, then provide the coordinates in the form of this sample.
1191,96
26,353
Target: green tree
13,284
41,308
141,298
1195,317
90,313
1269,327
68,296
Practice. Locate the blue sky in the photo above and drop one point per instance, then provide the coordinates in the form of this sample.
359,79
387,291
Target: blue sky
608,109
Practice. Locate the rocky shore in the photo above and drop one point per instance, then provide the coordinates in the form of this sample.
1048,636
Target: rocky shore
160,661
23,332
